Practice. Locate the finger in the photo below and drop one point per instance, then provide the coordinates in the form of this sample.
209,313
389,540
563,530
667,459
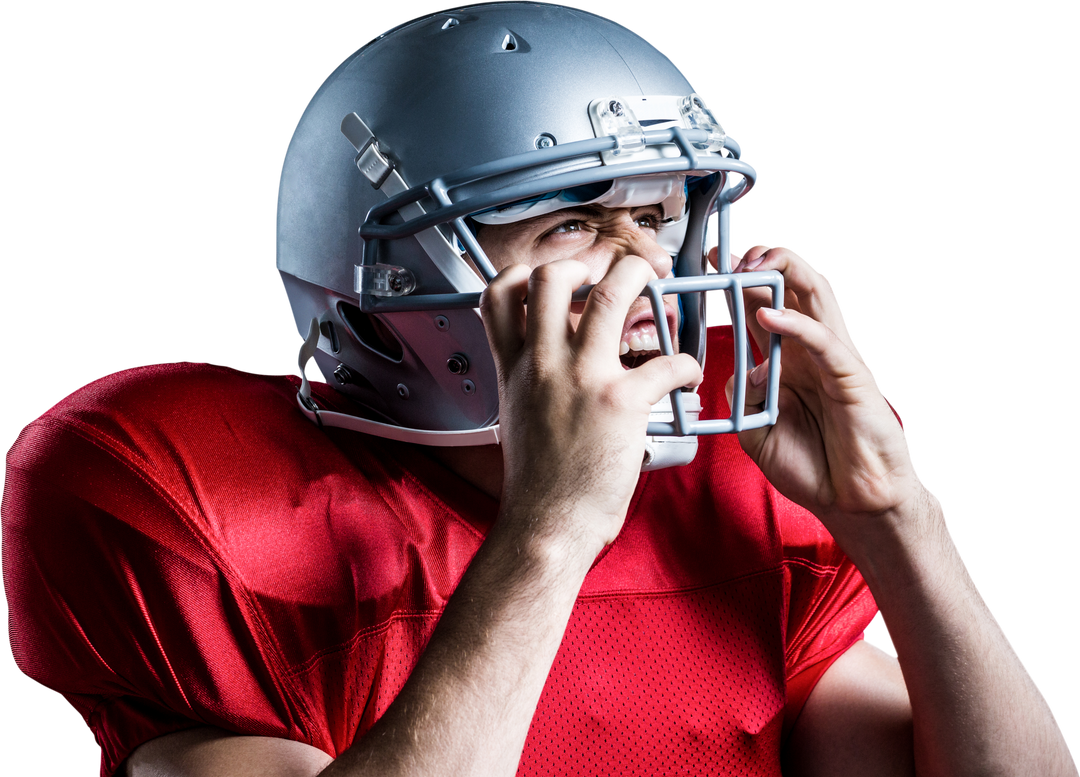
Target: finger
753,440
714,258
757,385
799,276
761,296
551,287
502,307
842,371
751,257
753,297
602,321
663,374
812,290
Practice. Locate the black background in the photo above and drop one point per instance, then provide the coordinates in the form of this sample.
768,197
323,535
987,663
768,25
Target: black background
145,170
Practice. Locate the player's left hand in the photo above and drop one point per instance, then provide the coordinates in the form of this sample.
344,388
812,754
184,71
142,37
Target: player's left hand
837,448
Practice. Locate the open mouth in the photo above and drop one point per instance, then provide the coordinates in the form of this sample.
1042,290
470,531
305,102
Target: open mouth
639,345
640,340
636,360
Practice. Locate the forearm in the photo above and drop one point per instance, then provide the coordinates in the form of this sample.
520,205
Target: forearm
467,707
573,424
974,708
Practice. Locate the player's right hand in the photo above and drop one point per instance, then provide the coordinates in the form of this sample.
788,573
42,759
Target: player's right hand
572,418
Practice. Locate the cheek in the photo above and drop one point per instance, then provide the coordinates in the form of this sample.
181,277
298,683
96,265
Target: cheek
499,246
503,253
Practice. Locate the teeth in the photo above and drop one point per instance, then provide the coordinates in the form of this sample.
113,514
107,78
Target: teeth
640,342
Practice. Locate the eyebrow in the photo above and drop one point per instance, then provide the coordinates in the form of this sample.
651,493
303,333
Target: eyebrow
586,212
582,212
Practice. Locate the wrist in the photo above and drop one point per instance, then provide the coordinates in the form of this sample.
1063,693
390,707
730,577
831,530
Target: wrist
902,543
566,521
524,552
547,543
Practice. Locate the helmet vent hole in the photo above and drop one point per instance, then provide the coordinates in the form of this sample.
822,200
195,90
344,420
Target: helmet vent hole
450,22
371,331
509,43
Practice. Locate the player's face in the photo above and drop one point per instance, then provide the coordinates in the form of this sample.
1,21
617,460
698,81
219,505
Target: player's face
597,237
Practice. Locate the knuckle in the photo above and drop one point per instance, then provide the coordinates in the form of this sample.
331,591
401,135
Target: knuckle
502,285
548,279
604,296
545,273
614,397
487,304
668,369
554,272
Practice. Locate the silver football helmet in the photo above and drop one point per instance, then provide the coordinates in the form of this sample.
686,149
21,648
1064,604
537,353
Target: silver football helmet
492,113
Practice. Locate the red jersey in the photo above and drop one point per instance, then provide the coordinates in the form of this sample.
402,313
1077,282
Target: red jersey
182,547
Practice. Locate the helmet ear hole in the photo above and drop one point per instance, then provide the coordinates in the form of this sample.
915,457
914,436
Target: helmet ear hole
371,332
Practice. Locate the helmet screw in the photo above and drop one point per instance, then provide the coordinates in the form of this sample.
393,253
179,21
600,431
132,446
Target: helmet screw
395,282
343,374
468,387
403,391
544,140
458,364
442,323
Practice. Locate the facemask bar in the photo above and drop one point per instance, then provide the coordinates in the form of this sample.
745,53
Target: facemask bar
733,286
691,261
446,211
396,284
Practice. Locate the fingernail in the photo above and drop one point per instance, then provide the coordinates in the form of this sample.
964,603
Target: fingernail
772,312
756,260
758,374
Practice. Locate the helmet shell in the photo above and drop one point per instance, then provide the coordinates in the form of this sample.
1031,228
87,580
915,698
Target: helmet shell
441,93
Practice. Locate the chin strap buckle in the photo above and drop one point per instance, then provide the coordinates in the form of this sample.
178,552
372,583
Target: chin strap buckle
664,452
307,351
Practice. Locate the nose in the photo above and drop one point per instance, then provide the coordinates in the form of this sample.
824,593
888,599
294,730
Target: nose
638,241
656,256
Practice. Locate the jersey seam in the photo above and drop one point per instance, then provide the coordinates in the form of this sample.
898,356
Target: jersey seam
342,647
679,591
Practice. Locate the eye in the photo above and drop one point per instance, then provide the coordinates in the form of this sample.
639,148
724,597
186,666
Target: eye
568,227
564,227
649,221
